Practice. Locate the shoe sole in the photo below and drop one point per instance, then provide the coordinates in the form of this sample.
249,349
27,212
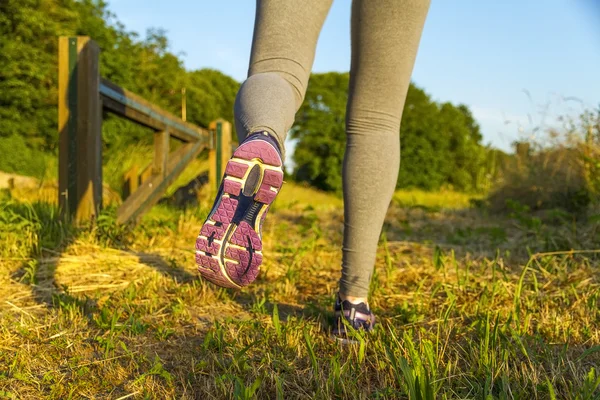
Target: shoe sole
229,246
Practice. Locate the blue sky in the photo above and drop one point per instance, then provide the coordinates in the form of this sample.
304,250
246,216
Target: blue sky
485,54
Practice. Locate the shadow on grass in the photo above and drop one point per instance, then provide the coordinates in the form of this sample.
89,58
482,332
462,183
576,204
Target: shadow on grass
252,302
40,223
219,353
187,195
51,237
170,269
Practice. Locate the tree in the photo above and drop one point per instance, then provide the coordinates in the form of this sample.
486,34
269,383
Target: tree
423,148
320,131
441,143
29,31
463,169
28,67
211,95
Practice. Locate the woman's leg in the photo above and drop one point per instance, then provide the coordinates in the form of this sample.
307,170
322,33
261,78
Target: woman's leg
229,246
283,51
385,39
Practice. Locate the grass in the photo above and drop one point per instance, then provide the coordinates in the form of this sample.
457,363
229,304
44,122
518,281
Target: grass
300,197
445,199
470,305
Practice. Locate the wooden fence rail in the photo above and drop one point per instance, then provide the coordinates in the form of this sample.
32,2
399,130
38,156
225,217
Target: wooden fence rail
83,95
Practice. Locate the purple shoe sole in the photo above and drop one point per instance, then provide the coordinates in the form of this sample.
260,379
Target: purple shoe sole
229,246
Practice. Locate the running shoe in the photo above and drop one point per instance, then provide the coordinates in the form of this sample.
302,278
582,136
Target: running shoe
357,316
229,246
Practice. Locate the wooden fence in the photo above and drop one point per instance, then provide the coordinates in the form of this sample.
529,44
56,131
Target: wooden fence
82,97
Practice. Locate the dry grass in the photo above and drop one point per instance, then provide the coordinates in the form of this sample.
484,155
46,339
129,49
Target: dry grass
559,169
464,311
544,179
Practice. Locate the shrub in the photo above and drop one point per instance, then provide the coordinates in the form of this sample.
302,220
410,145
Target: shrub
18,157
560,171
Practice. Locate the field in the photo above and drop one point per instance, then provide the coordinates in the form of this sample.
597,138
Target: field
469,305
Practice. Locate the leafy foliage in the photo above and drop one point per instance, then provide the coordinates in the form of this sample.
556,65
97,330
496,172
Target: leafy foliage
29,32
441,143
28,47
22,158
320,131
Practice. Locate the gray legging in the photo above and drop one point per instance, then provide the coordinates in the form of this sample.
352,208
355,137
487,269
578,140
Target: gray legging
385,39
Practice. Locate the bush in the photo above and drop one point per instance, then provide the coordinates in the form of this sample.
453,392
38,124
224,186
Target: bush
562,171
19,158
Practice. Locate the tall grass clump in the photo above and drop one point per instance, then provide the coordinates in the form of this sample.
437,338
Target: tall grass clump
119,161
561,169
27,228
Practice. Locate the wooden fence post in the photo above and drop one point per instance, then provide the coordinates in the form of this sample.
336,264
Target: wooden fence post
161,152
131,181
220,151
80,129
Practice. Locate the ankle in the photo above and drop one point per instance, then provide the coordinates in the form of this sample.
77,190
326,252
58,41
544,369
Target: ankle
354,299
267,136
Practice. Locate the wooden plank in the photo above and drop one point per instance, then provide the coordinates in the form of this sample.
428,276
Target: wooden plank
212,171
177,127
146,174
89,131
132,114
131,181
64,113
225,141
183,105
161,152
79,124
151,191
220,151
